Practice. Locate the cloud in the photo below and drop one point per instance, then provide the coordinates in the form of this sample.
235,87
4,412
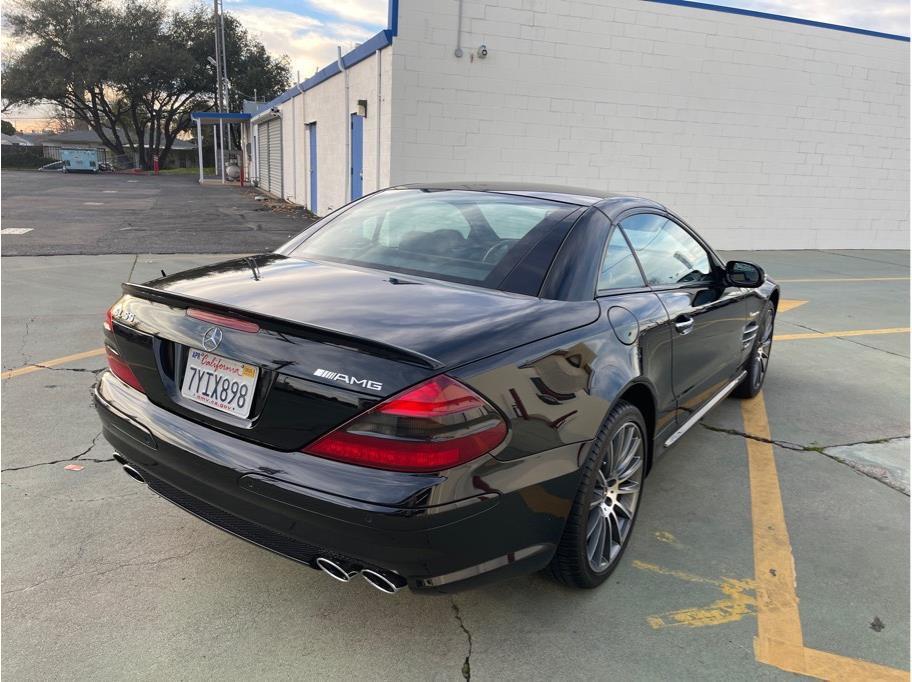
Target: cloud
309,43
889,16
372,12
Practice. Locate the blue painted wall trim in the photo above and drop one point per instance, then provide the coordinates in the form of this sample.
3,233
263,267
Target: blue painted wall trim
780,17
392,22
219,116
377,42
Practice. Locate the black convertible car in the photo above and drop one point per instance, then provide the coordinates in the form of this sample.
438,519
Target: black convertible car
436,385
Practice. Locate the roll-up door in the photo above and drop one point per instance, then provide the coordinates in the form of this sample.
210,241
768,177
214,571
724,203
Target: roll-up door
269,152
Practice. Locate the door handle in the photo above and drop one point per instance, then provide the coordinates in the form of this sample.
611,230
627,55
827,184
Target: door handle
684,324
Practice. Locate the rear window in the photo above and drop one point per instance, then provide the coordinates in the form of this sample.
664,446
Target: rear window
471,237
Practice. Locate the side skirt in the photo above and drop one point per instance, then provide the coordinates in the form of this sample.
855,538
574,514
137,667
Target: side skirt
699,414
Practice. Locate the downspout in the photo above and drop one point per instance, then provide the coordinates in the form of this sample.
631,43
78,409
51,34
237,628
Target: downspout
294,151
347,127
379,101
294,137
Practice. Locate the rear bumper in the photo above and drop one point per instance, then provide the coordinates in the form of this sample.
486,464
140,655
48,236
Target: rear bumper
482,521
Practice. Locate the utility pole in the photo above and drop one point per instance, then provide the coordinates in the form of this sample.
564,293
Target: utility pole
225,83
216,20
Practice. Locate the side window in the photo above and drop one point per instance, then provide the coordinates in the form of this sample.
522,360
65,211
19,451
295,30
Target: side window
668,254
619,269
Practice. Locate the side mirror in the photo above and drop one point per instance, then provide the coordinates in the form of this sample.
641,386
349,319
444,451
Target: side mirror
739,273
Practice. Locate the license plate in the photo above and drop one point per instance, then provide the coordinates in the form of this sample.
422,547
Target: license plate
219,383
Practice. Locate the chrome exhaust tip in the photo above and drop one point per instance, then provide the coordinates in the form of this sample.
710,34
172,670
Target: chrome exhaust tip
119,458
133,473
388,583
335,570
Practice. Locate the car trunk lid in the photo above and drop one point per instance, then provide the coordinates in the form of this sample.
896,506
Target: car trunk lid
330,341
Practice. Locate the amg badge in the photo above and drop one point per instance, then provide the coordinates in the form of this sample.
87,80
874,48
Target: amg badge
345,378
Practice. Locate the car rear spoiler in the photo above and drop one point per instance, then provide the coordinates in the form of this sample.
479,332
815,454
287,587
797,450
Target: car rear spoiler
298,329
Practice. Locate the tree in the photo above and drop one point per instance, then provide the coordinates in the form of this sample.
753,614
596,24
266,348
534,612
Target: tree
7,128
132,71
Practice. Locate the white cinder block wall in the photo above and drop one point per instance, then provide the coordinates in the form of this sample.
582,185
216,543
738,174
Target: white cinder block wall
762,134
326,105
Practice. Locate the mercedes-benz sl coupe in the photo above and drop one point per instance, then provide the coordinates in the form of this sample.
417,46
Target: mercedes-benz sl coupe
436,385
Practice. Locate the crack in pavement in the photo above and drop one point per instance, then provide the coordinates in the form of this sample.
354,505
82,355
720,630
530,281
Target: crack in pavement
70,369
21,352
466,666
67,459
118,567
873,260
132,267
863,469
734,432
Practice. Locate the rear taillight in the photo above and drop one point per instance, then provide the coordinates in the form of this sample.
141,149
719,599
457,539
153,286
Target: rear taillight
109,320
122,370
436,425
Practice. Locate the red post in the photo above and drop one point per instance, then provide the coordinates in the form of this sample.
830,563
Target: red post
155,164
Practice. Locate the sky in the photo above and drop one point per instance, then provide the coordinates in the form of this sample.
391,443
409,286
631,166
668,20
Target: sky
308,31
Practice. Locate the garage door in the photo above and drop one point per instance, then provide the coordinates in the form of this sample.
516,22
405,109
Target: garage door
269,153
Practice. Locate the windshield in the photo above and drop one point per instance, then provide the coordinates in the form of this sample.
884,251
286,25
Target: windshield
463,236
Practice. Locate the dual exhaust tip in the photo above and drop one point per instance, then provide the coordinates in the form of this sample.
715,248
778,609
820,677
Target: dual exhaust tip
385,581
129,470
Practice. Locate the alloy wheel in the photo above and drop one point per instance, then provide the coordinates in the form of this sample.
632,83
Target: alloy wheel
615,497
764,348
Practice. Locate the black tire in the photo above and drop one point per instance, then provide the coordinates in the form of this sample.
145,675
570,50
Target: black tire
577,563
758,360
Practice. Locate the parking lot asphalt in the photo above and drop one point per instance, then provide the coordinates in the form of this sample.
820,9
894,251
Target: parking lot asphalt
76,213
772,541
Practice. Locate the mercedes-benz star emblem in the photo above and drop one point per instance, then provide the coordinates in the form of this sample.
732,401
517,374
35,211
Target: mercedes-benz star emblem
212,338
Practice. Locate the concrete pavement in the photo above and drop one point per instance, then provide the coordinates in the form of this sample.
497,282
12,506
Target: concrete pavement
102,579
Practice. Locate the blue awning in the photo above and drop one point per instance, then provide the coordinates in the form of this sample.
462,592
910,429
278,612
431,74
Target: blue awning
215,116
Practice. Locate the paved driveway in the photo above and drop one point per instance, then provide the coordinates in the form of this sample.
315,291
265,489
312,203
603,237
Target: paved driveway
57,213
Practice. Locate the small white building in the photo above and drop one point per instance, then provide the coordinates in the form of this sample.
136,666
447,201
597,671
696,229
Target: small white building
763,131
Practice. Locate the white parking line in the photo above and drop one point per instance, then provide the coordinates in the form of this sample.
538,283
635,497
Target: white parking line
15,230
93,203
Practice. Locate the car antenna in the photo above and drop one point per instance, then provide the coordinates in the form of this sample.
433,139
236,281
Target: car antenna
254,268
163,273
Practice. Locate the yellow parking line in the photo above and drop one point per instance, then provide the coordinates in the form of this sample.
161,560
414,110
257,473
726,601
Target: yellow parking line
774,568
846,279
28,369
779,640
849,332
787,304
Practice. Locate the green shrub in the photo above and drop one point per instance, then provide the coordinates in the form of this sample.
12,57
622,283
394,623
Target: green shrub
15,156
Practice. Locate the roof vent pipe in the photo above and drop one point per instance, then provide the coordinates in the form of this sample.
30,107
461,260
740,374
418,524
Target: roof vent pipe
458,50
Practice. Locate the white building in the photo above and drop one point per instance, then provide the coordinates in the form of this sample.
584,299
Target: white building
762,131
